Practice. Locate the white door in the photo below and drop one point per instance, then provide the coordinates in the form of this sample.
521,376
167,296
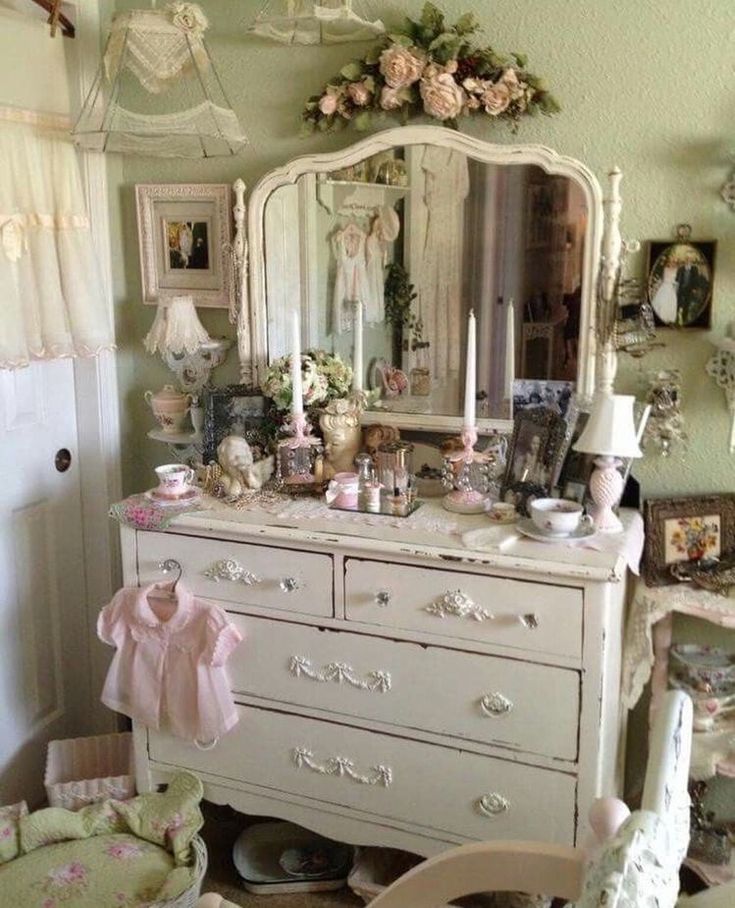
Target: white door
44,672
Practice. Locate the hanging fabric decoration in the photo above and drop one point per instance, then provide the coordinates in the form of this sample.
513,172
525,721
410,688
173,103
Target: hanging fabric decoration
307,22
176,329
52,295
162,51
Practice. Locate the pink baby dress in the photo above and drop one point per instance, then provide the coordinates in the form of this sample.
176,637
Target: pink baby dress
170,673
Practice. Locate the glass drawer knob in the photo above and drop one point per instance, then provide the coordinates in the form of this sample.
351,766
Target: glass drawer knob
382,598
530,621
290,585
495,704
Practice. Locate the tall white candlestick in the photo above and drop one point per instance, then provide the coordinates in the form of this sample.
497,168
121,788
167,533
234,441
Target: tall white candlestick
297,400
357,367
470,378
510,349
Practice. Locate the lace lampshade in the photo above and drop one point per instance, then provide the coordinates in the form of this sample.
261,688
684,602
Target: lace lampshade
176,329
307,22
157,91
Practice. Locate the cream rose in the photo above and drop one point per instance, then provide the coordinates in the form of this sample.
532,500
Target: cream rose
188,17
359,93
496,99
514,85
442,97
400,66
390,99
328,105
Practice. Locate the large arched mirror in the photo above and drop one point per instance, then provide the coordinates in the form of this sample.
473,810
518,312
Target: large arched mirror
417,226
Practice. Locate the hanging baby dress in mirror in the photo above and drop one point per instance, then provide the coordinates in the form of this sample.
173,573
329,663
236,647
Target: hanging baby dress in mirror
351,284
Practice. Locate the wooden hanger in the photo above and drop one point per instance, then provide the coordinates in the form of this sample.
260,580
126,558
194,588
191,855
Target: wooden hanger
56,18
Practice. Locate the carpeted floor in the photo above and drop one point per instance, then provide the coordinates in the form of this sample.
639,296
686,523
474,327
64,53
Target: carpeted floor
221,828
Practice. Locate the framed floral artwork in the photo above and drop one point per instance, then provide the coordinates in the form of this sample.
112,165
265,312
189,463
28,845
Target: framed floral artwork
185,235
680,530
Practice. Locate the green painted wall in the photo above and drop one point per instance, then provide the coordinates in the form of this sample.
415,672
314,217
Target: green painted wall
645,84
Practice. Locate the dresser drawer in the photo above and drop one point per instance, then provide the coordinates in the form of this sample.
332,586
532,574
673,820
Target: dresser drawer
423,784
492,700
517,614
236,572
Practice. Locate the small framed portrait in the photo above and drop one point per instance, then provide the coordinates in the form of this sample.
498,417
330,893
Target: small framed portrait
184,234
234,410
685,530
680,280
531,392
534,453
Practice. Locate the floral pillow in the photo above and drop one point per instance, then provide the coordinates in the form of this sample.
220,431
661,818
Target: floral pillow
9,836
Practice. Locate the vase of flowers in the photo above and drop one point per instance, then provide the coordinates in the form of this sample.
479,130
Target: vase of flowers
325,377
429,68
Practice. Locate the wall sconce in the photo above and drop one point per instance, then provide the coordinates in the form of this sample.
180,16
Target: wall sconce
721,367
665,425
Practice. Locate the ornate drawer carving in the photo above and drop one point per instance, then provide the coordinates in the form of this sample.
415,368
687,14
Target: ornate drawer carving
517,614
509,703
240,573
429,786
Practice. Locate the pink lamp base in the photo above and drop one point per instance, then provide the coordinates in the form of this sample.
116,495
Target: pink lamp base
606,488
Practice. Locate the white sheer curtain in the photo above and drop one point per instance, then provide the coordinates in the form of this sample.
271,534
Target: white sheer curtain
50,288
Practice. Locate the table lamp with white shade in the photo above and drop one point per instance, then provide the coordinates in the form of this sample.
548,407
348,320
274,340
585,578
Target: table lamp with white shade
611,434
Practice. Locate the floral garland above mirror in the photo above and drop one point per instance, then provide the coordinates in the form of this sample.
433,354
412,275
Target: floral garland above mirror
429,68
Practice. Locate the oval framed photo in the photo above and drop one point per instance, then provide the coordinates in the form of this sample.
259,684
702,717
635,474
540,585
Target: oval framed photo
680,279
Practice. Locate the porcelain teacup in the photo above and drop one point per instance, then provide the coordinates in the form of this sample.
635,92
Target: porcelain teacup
557,516
342,491
502,512
174,479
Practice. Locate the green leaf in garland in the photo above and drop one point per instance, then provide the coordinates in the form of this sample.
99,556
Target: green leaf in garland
373,55
521,60
363,120
352,71
432,19
466,24
403,40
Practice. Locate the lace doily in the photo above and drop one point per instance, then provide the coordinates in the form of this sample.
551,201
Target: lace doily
650,605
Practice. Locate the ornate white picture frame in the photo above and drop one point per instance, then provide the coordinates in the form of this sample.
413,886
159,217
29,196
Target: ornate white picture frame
185,241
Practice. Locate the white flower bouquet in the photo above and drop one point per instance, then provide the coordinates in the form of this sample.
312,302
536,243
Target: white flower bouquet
325,377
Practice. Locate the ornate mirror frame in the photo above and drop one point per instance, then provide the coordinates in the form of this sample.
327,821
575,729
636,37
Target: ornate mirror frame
253,320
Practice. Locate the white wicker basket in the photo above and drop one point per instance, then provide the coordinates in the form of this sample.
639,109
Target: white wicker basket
189,898
80,771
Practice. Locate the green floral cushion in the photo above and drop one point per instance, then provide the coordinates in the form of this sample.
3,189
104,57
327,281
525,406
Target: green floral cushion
9,834
112,871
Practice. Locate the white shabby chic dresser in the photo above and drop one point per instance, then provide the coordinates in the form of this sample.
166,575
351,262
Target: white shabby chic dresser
395,688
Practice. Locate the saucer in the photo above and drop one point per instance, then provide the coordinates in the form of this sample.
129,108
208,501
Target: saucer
529,528
499,521
189,496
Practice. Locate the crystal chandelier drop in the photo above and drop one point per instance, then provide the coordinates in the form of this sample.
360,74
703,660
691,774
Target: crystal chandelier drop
157,91
309,22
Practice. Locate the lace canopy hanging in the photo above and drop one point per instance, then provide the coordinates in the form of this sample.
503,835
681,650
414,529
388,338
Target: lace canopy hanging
307,22
52,297
188,114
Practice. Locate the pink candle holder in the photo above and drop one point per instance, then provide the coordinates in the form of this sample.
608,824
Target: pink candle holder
467,473
296,463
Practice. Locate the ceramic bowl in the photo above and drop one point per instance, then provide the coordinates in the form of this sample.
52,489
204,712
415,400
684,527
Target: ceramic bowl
708,669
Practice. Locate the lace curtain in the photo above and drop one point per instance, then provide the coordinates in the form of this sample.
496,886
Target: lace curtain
50,287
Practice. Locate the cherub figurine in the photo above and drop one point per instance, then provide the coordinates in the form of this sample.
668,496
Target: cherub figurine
240,472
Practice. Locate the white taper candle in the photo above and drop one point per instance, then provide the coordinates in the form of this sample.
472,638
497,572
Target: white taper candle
357,366
470,378
297,400
510,349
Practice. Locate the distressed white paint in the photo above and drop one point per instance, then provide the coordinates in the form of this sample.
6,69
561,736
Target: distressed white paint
556,747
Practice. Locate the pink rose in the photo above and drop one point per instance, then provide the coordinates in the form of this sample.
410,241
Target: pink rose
496,99
390,99
359,93
442,97
400,66
328,105
513,84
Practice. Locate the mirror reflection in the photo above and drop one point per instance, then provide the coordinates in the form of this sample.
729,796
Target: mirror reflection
406,243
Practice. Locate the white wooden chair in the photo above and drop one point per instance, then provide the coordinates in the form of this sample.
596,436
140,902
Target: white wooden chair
636,864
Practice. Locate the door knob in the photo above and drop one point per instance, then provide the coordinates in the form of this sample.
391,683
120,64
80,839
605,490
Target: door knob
62,460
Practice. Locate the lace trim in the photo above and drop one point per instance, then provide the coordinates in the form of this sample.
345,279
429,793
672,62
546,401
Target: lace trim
56,352
46,221
35,118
